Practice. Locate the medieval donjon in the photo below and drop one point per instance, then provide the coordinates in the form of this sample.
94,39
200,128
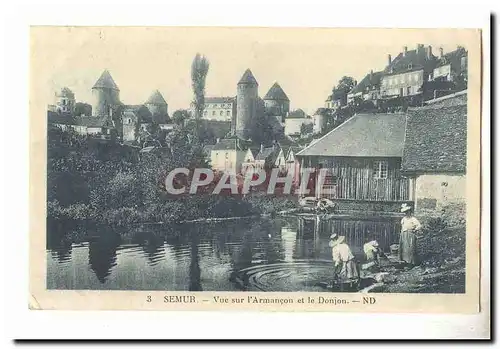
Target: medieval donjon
249,104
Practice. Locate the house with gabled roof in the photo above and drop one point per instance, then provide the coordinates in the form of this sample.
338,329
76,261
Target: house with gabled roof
227,155
266,158
84,125
362,158
368,89
294,121
450,65
248,164
435,153
219,108
405,75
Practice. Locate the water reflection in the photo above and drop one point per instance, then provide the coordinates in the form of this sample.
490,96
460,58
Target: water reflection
194,266
286,254
102,255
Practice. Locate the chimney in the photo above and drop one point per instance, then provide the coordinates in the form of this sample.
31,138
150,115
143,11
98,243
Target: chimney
405,50
429,52
261,147
218,140
389,60
371,74
441,52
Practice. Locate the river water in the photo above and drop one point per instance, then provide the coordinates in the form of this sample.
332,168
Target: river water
283,254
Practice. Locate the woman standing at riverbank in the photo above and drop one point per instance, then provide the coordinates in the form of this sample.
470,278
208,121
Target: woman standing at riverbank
408,240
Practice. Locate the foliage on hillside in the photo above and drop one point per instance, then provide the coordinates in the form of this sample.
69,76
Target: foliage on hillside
115,184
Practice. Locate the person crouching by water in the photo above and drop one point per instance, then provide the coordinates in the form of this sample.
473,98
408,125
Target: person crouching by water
408,239
372,252
345,267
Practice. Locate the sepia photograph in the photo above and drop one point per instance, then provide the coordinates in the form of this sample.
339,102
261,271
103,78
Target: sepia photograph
257,160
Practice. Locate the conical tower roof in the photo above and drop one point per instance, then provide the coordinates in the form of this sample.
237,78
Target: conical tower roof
248,78
276,93
106,81
156,98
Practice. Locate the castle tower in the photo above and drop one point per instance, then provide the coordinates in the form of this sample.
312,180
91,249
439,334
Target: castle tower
246,103
276,101
106,95
65,100
157,106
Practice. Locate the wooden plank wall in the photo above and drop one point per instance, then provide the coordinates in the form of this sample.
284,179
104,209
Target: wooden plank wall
355,179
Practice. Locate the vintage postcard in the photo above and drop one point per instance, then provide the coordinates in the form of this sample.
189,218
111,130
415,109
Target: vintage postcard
269,169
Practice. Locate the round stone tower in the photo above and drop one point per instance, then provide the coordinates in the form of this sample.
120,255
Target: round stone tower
276,101
106,95
246,103
157,106
319,120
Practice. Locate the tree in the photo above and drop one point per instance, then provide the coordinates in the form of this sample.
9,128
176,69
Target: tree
83,109
199,71
346,84
306,128
180,116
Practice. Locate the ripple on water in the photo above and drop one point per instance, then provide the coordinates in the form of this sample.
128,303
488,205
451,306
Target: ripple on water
305,275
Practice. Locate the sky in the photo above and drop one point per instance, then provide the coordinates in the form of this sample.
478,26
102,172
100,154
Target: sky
306,62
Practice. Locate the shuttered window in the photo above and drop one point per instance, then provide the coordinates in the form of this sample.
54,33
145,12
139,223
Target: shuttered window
380,169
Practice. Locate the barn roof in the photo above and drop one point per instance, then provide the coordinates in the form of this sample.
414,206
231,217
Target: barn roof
436,140
363,135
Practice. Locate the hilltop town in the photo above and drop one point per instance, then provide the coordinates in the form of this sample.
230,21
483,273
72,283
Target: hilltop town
368,156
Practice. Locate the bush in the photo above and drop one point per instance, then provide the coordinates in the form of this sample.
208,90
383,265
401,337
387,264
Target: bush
74,211
451,215
122,216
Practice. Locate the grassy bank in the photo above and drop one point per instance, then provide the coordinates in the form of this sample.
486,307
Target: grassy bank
441,247
174,211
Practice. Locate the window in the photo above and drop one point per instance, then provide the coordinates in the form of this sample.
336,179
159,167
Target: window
221,113
380,169
213,113
410,66
408,90
401,92
228,113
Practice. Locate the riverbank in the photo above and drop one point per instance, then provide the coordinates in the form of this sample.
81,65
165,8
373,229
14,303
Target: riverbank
441,247
185,209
